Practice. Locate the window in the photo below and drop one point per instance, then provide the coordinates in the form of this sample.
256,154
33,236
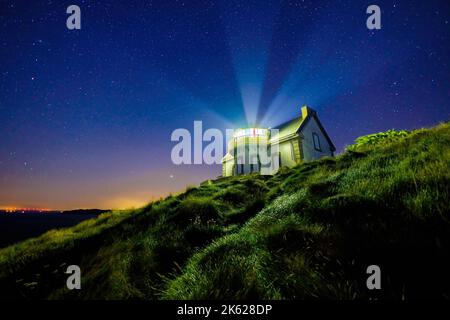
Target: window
316,141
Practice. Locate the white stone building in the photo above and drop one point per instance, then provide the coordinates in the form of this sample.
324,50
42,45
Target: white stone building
300,139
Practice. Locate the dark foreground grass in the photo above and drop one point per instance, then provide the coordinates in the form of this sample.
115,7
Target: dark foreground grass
305,233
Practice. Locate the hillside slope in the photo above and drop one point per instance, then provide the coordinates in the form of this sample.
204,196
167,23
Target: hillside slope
307,232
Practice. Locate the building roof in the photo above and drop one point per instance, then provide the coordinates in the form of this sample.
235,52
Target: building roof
292,127
287,129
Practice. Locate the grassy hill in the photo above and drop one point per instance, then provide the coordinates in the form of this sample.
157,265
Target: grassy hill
307,232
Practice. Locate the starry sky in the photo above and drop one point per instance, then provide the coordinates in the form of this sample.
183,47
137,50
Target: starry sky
86,115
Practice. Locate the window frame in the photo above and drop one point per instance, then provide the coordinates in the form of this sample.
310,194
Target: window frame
316,147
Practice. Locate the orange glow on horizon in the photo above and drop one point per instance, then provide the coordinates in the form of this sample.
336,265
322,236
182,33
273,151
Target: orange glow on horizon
19,209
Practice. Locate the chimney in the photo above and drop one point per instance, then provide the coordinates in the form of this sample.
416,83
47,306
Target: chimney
306,111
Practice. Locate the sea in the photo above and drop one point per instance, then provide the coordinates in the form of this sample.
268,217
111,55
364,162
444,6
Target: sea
18,226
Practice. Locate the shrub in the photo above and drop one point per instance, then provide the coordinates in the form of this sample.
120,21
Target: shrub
377,138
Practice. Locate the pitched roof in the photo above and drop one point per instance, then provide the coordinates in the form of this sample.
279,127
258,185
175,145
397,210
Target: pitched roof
294,126
288,128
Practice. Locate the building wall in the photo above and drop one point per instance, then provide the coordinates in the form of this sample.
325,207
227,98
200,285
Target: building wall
227,168
309,151
288,153
297,149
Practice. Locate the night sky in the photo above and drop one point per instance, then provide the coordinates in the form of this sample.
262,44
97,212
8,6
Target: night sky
86,115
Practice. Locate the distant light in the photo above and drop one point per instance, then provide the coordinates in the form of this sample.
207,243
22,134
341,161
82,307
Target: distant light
250,132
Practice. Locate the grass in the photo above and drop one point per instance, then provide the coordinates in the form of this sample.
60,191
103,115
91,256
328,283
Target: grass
308,232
